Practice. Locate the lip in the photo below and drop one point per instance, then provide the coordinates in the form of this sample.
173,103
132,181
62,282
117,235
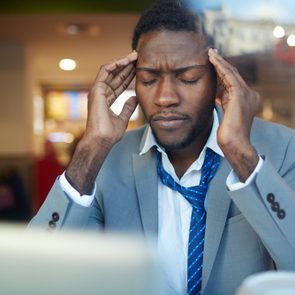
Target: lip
168,121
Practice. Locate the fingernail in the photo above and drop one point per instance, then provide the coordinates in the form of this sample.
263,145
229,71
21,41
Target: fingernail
132,54
213,50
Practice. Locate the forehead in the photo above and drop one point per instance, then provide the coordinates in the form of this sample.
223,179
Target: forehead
171,49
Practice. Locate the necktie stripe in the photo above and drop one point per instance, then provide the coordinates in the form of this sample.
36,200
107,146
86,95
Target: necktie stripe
195,261
200,232
198,221
194,249
195,195
191,289
193,198
194,274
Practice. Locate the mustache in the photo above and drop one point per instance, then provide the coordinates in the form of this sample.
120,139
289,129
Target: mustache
169,115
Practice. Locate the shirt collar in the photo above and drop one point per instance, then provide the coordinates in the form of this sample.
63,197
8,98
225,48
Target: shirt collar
150,140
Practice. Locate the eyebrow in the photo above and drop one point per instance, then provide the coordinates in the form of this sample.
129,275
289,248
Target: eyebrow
176,71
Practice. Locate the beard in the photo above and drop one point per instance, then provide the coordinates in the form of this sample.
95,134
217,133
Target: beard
194,131
178,143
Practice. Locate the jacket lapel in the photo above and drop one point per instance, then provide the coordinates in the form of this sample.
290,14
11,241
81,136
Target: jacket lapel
146,183
217,211
218,204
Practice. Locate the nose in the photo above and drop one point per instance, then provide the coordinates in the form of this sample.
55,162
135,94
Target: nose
166,93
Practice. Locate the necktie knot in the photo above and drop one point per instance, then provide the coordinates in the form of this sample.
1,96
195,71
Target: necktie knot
195,195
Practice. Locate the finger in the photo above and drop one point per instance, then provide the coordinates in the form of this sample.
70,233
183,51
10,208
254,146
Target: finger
103,90
116,85
107,70
130,58
120,66
218,59
226,72
97,97
113,93
115,81
128,109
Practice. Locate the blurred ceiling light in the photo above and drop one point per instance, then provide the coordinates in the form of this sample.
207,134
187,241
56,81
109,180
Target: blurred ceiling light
279,32
67,64
73,29
94,30
291,40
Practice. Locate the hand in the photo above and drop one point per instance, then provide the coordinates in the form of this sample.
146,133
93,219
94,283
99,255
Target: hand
240,104
103,127
110,82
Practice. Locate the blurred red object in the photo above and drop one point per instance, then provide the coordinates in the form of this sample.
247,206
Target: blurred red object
284,52
47,170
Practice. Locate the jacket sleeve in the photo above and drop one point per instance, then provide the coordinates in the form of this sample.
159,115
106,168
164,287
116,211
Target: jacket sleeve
60,212
268,203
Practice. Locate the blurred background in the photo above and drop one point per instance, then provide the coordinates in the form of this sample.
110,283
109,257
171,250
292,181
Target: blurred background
50,52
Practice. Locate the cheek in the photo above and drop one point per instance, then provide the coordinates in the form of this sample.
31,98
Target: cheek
206,88
139,93
194,94
199,98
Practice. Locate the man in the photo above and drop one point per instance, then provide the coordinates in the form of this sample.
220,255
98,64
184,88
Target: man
209,181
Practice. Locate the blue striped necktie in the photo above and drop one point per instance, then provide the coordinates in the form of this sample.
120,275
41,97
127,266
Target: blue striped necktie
195,195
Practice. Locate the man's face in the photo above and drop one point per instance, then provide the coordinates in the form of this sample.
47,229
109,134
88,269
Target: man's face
175,86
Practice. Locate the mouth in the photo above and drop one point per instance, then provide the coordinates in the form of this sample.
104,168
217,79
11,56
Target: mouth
168,121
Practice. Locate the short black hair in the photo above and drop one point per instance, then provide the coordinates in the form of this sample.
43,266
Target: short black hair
169,15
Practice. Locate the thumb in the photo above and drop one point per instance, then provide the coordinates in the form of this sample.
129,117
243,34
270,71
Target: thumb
128,109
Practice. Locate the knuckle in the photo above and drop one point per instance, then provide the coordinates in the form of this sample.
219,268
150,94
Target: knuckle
235,70
103,67
111,89
125,84
96,88
89,95
91,92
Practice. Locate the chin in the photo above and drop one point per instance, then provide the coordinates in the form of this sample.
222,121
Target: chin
173,145
175,142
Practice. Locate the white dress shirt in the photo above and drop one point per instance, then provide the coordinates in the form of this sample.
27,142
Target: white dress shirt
174,211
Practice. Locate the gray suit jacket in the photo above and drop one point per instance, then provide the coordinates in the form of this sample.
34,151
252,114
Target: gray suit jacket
248,230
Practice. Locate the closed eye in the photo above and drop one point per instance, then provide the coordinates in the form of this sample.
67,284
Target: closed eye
149,82
190,82
190,76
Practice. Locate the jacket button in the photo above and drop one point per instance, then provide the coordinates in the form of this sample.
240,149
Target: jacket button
270,198
275,206
55,216
52,224
281,214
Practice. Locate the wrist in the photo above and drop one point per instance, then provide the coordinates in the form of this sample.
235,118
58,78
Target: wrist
95,143
86,163
243,158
